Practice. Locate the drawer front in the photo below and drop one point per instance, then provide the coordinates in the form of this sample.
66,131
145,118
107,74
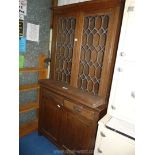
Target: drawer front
108,143
79,109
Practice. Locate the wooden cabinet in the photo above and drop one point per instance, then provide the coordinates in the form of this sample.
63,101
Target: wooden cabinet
84,45
66,120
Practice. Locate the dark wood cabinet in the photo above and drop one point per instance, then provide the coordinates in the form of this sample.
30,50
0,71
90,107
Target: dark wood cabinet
84,45
69,116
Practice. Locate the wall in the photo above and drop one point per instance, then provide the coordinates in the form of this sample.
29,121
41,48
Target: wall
38,12
64,2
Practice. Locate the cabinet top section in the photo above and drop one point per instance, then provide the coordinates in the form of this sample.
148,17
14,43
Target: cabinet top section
74,94
89,5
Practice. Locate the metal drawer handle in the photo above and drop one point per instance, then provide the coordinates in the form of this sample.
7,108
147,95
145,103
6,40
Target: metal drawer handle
99,150
102,134
77,109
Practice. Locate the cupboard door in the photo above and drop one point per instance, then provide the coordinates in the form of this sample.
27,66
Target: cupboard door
51,116
122,96
98,50
122,100
78,134
94,38
62,46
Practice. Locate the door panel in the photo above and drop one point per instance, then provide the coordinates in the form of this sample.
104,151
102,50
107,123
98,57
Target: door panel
92,52
122,105
78,134
51,117
62,46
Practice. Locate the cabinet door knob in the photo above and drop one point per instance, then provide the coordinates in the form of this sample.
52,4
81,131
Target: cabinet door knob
120,69
75,39
133,94
113,107
102,134
58,106
99,150
122,54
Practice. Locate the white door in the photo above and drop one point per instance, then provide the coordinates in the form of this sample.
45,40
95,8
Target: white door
122,104
122,95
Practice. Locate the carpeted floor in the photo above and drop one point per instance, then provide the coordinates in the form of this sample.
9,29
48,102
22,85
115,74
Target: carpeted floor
33,144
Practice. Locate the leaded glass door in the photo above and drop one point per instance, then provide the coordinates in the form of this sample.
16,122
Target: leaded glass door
96,51
63,44
92,52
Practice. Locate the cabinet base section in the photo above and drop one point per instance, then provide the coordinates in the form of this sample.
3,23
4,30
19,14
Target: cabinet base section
63,148
42,132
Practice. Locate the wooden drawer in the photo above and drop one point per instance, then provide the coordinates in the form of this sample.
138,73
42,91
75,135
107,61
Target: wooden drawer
79,109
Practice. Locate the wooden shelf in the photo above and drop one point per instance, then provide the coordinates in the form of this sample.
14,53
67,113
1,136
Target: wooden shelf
29,87
32,69
28,106
27,128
